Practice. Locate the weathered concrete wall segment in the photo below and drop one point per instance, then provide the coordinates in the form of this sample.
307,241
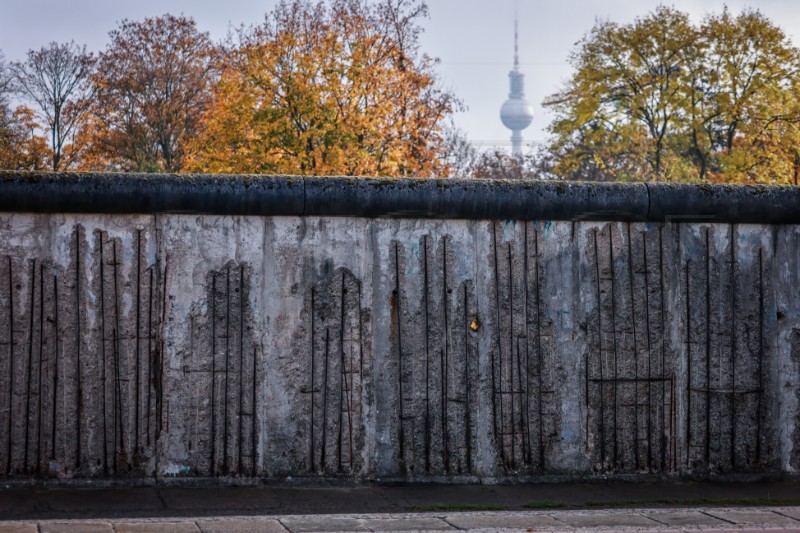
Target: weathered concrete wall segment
260,346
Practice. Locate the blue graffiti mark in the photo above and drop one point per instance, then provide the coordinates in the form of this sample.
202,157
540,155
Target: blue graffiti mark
411,266
548,225
752,240
151,249
695,250
462,269
558,314
509,228
772,316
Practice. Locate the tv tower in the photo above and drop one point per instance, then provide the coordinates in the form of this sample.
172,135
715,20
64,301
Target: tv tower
516,112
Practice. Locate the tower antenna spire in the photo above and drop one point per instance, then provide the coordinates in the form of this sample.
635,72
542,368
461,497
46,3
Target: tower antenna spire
516,36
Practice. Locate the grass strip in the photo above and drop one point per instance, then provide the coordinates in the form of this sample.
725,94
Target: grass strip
544,504
754,502
458,507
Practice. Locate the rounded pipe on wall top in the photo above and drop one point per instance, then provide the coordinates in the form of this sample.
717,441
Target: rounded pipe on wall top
394,197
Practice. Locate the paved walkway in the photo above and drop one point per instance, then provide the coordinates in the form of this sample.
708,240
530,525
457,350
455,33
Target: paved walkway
708,520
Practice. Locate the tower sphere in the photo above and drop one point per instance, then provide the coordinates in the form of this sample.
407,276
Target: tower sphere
516,113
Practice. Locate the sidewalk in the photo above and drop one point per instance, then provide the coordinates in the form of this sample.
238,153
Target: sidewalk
679,519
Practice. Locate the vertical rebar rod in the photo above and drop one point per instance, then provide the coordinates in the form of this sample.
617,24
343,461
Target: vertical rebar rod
708,350
443,365
313,461
587,361
114,395
733,346
117,359
253,435
539,356
78,385
342,374
663,354
498,435
10,362
103,351
159,359
149,353
342,379
30,362
137,365
648,351
673,423
600,355
55,369
526,292
427,357
511,355
198,402
39,383
212,465
688,368
760,351
360,339
118,380
467,413
225,432
614,341
398,315
520,410
352,374
635,352
240,469
324,446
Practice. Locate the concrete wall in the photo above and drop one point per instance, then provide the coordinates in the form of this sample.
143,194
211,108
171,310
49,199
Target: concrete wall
203,345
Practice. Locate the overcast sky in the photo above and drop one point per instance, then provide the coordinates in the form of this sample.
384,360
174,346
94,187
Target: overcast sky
472,38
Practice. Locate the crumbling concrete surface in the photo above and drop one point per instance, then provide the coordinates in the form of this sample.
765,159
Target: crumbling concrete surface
267,347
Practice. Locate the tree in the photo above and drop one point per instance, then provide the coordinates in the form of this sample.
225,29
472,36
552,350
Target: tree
7,137
661,98
456,153
55,79
153,83
6,82
337,87
755,69
628,86
21,148
535,164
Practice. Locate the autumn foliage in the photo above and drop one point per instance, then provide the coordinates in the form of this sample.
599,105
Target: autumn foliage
153,83
320,87
326,88
21,148
662,98
342,87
